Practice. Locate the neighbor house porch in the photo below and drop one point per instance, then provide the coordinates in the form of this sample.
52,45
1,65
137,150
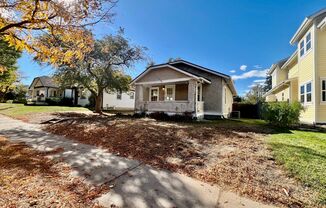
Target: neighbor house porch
41,93
171,96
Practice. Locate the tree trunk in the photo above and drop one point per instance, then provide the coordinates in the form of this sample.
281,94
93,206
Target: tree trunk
98,102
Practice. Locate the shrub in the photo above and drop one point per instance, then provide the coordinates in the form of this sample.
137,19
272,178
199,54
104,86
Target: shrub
282,114
59,101
162,116
66,101
53,101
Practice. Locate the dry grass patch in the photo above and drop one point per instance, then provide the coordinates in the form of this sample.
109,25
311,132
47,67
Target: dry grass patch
29,179
229,154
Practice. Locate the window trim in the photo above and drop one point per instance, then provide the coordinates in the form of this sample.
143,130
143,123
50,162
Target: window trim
199,92
304,40
132,95
165,92
305,93
119,92
150,94
321,90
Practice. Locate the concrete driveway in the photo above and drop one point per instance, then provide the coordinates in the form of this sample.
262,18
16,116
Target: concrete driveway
132,184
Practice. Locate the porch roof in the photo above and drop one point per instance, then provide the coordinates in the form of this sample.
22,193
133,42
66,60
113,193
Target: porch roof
281,86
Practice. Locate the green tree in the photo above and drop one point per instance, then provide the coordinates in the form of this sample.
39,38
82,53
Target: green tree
255,94
8,58
268,84
102,69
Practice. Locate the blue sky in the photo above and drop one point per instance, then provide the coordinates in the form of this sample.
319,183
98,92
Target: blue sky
231,36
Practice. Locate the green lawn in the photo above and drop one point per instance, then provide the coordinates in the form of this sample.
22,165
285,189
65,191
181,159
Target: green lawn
303,153
20,109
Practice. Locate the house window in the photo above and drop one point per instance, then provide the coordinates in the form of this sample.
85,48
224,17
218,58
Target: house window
132,95
305,44
54,93
308,41
302,48
169,92
154,93
82,94
282,96
119,95
225,95
302,93
305,93
199,92
37,93
323,90
308,92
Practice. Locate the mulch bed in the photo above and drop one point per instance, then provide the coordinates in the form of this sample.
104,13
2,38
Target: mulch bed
234,157
29,179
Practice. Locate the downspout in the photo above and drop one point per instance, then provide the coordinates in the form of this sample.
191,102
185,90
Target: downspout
314,72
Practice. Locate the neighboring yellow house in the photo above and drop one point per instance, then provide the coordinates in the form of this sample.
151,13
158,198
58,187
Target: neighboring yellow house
302,76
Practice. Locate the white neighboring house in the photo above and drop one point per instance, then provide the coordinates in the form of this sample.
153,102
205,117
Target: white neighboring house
119,100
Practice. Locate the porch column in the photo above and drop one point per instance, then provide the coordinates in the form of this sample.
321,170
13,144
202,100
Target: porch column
192,95
139,98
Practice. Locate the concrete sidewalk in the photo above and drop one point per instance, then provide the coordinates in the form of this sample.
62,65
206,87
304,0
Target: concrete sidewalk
133,184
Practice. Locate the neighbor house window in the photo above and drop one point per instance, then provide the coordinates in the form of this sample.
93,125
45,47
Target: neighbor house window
302,93
302,48
282,96
169,92
119,95
308,92
323,90
132,95
305,44
308,41
154,93
305,93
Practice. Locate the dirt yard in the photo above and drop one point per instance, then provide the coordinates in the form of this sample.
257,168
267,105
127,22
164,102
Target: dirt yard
228,153
29,179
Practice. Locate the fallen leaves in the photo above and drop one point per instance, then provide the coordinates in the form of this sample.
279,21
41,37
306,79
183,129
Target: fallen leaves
231,156
28,179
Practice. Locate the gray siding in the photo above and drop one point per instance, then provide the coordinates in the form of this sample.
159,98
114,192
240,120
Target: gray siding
212,93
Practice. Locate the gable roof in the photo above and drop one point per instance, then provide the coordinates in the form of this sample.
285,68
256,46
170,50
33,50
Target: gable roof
307,22
173,65
279,64
201,68
46,81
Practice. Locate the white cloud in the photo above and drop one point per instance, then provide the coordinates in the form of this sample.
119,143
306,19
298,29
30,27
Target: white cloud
257,66
250,74
252,85
232,71
243,67
256,84
259,81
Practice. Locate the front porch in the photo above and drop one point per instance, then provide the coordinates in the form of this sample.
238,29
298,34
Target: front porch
39,94
171,97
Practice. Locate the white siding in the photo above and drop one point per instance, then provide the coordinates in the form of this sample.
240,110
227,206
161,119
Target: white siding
110,101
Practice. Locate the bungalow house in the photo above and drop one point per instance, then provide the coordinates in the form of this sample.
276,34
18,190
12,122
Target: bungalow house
182,87
44,87
302,76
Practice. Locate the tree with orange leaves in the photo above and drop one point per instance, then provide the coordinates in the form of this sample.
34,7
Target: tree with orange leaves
25,23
